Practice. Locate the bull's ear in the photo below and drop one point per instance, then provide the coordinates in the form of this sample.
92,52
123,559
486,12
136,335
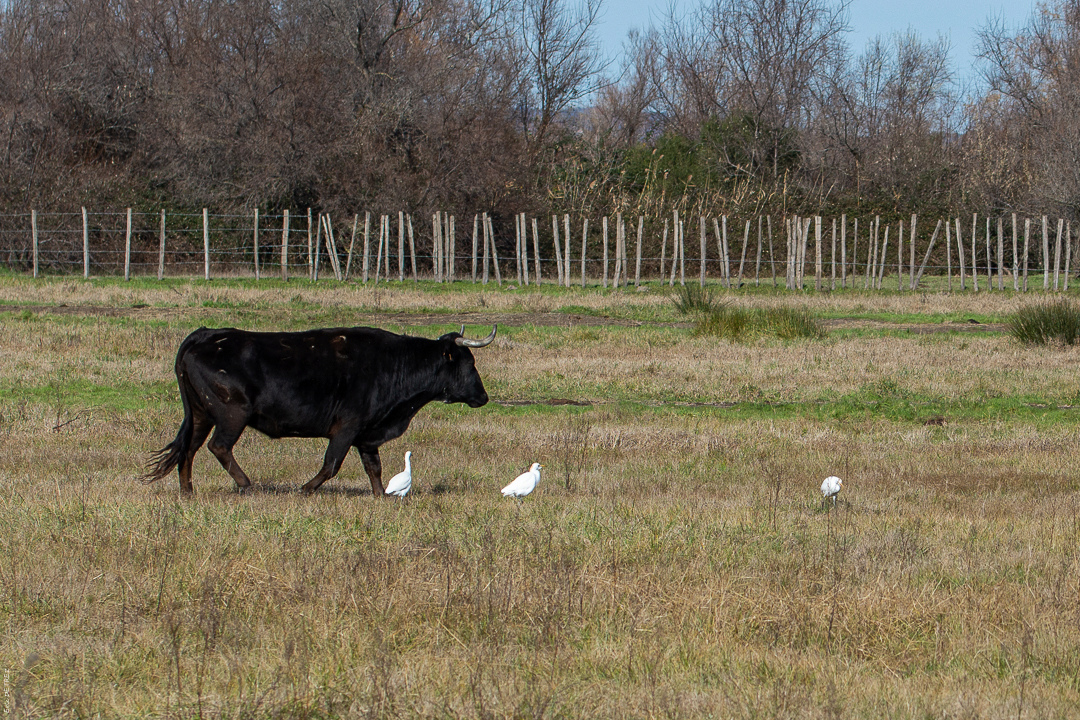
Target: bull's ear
453,335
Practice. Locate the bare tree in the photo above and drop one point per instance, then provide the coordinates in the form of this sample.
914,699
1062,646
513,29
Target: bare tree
884,121
1035,71
622,108
562,62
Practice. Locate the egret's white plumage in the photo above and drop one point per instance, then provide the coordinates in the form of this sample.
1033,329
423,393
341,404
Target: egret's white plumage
524,483
401,483
830,488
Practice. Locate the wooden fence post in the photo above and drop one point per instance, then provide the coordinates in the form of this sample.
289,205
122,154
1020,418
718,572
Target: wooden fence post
517,246
1001,253
401,246
1057,254
452,250
316,261
701,228
331,247
412,248
487,246
854,251
34,238
682,253
536,250
805,238
625,256
871,271
900,258
86,244
757,263
832,259
605,234
675,226
1045,254
742,257
352,245
255,242
989,259
436,245
974,252
637,263
558,249
948,250
525,248
475,238
206,243
926,258
618,248
772,258
310,253
494,252
1027,232
1016,257
960,256
884,259
584,247
566,257
914,219
805,231
817,253
127,248
663,251
1068,254
674,248
161,247
285,246
789,264
725,262
383,235
365,263
871,242
843,251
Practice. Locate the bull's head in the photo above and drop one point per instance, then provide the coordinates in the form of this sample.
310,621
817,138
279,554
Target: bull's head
463,383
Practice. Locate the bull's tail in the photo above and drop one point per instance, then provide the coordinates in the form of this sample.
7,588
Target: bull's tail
164,460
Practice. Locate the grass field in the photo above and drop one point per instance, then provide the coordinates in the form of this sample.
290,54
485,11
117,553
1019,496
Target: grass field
675,561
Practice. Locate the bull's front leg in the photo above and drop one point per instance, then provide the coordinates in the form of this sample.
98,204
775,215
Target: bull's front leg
373,467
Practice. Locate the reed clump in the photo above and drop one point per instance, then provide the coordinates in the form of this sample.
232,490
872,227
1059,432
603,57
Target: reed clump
1049,323
715,318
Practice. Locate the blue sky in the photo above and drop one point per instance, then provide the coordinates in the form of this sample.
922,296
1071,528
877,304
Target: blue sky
957,20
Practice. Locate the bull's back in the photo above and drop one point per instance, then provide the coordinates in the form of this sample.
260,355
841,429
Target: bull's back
288,383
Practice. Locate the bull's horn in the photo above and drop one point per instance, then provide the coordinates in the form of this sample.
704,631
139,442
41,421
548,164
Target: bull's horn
478,343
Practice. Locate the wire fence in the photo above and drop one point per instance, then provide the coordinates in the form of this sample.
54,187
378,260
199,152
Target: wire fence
791,252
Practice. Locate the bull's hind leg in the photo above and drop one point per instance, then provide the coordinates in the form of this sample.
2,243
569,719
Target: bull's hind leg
201,427
373,467
335,455
221,444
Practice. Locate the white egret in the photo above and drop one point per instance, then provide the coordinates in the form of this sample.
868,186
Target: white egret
831,488
401,483
524,483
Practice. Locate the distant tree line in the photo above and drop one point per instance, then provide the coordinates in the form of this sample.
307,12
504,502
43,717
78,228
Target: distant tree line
509,106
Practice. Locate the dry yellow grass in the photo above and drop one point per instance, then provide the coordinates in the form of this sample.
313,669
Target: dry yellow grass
689,571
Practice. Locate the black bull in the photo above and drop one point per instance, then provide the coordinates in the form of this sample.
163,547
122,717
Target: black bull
358,387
